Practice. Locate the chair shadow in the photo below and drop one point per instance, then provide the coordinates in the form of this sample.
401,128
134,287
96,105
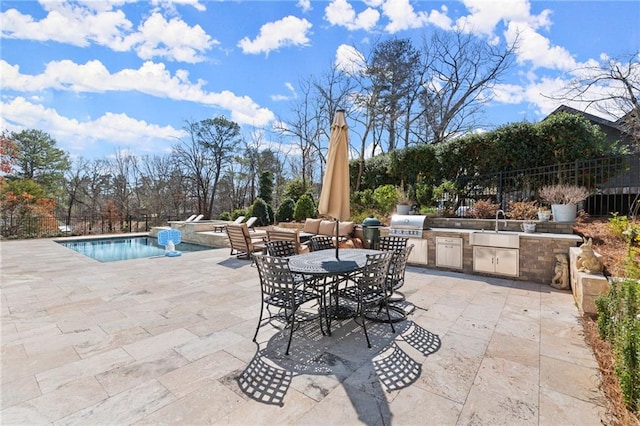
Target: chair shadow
234,262
386,367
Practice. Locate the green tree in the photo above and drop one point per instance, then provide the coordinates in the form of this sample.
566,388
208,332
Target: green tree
37,158
568,137
266,187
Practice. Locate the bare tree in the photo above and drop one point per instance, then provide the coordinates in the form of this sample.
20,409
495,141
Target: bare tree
461,71
305,128
210,149
612,86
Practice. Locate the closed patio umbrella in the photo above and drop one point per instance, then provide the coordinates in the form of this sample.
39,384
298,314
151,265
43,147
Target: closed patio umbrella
334,198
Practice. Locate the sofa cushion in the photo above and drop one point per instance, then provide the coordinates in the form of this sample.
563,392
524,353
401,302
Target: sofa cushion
345,228
311,225
327,227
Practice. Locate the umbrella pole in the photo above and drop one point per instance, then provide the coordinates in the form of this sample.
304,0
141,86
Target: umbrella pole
337,238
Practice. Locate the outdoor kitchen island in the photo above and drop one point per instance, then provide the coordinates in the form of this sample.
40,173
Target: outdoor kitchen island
472,246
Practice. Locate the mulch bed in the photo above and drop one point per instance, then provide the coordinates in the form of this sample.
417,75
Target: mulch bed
614,251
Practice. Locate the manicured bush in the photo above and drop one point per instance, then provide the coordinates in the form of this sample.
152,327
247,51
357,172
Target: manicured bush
304,208
261,210
285,210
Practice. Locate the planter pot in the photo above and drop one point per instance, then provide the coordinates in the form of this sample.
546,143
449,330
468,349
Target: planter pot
529,228
564,212
544,216
403,209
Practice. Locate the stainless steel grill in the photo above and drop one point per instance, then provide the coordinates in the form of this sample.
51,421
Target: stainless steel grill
407,225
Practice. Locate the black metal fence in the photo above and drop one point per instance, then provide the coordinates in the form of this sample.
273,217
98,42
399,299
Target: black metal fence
613,181
31,226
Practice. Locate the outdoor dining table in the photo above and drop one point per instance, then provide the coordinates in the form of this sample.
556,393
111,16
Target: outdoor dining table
329,270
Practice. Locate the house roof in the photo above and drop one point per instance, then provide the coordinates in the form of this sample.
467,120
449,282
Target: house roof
593,118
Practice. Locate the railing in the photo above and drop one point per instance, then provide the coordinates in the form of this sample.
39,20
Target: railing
31,226
613,181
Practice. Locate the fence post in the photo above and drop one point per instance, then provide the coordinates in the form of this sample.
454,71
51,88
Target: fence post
500,190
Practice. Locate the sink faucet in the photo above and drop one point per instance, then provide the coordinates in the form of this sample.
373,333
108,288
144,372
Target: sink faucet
504,221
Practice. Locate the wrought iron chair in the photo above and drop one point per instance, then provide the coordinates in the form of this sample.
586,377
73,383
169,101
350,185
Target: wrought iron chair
321,242
281,290
392,242
395,277
281,248
370,290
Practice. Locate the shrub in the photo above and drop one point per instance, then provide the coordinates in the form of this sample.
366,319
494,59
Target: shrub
262,211
225,216
619,323
304,208
237,213
484,209
285,211
385,198
523,210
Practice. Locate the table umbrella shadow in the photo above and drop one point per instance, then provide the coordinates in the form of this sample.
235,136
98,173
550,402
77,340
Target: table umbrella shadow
386,367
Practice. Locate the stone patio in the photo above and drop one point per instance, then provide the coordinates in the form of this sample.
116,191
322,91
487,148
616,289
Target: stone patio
168,341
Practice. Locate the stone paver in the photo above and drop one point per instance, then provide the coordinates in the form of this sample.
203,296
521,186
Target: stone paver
168,341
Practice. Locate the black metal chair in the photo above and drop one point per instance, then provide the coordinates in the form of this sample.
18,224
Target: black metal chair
281,248
392,242
370,290
395,278
321,242
281,289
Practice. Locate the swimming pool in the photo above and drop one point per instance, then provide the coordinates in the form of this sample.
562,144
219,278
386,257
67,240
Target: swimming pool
125,248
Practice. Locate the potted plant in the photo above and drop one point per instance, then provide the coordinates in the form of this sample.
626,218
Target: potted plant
525,211
564,200
403,202
544,214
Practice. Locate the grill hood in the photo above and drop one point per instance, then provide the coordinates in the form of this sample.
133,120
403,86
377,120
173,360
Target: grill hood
410,221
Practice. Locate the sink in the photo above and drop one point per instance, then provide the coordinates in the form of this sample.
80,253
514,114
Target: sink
495,239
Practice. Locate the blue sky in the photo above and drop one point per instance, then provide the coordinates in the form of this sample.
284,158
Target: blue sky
102,76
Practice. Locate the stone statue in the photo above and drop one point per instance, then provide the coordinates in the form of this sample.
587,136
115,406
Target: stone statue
587,261
561,278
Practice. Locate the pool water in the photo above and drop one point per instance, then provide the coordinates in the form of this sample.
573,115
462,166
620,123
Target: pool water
125,248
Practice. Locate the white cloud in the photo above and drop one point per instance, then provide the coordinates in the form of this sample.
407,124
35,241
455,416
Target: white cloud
151,78
537,49
341,13
83,24
289,31
304,5
174,40
171,3
402,16
82,136
349,59
292,94
485,15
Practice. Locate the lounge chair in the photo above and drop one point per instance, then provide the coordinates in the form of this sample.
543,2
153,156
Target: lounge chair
221,228
251,222
241,242
197,218
190,218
